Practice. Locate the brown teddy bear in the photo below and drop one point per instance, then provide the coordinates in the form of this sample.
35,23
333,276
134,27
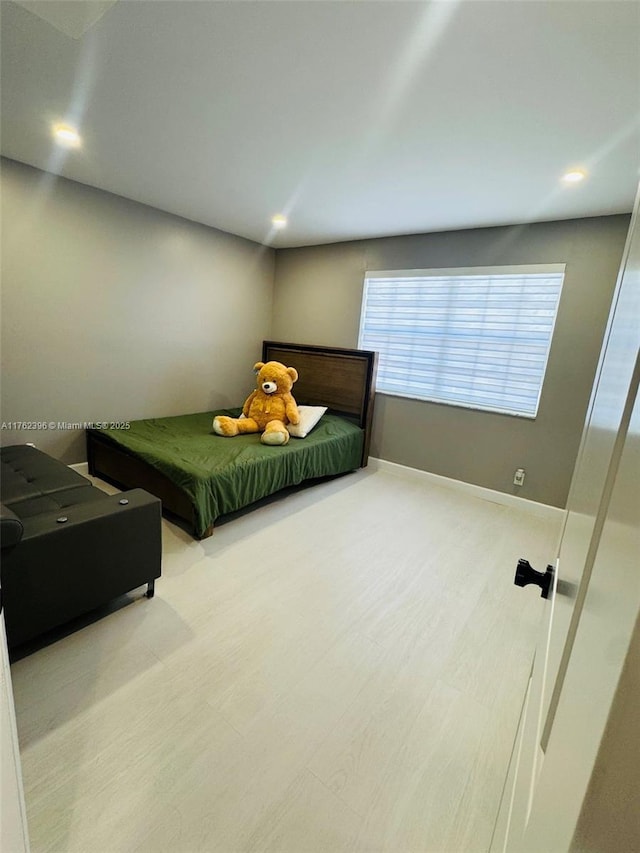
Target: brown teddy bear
268,409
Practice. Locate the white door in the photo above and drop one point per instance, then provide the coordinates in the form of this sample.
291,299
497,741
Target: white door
14,837
592,611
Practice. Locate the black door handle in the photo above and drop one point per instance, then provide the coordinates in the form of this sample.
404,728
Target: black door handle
526,574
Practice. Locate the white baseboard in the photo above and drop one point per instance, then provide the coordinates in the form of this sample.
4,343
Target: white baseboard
535,508
81,468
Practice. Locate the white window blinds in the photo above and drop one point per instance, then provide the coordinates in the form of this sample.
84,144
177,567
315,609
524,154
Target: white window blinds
478,338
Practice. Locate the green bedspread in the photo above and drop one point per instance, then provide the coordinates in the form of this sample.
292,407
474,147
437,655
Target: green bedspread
221,475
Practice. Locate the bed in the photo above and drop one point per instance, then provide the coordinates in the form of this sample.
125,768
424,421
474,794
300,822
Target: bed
200,476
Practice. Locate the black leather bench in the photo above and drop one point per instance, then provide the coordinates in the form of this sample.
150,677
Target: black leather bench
68,547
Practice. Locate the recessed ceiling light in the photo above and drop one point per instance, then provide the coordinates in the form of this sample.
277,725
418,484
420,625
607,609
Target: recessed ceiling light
64,134
279,221
574,176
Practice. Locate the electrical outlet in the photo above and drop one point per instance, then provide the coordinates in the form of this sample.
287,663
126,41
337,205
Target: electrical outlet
518,477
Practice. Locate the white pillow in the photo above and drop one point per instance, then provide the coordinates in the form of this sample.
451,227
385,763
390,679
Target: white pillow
309,417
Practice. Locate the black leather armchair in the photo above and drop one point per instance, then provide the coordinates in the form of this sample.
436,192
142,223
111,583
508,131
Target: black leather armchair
68,547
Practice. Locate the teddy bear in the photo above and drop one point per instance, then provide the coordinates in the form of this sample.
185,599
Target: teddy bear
268,409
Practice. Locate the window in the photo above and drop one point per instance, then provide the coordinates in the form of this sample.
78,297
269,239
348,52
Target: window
478,338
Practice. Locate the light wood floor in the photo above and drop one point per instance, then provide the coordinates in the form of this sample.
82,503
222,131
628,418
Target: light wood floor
341,670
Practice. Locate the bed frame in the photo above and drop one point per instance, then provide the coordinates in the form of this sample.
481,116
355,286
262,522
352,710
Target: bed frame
341,379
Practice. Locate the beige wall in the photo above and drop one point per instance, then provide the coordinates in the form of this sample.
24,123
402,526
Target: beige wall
113,311
317,299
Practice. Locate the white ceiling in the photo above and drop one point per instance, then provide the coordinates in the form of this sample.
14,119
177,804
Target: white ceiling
353,118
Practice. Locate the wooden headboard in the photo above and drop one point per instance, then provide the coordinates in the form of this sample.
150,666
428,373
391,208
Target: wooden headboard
341,379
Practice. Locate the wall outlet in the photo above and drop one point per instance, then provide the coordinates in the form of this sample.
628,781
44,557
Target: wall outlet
518,477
